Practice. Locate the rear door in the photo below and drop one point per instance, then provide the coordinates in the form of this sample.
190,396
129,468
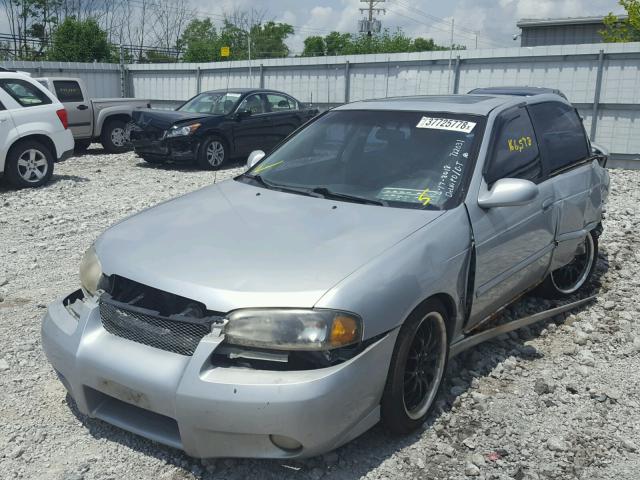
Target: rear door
70,94
284,115
514,244
6,127
571,171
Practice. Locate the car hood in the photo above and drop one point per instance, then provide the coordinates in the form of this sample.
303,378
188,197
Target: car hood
234,245
163,119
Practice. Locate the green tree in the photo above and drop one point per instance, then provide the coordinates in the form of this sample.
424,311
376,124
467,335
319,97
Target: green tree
201,41
627,30
80,41
337,43
314,46
267,40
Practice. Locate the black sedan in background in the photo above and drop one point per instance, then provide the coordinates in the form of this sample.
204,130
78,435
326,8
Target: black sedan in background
217,125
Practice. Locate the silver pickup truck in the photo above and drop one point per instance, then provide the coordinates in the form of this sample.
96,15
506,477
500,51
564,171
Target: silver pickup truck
100,119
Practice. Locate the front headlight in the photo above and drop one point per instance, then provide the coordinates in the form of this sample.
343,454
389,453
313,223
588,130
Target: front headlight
293,329
90,271
182,131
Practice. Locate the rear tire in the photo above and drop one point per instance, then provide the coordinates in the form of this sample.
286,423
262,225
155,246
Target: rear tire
567,280
212,153
115,136
417,368
29,164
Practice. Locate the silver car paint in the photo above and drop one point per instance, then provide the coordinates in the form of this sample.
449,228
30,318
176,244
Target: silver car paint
234,245
275,250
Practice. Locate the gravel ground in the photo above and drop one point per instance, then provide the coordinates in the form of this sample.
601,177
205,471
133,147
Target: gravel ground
560,400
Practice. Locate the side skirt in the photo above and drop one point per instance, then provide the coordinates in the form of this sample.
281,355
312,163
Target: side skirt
480,337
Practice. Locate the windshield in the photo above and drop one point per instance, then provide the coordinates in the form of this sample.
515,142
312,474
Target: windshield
399,159
220,103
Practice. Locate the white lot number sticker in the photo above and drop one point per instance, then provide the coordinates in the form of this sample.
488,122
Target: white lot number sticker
446,124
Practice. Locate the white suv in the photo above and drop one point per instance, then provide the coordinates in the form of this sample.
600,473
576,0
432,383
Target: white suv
34,131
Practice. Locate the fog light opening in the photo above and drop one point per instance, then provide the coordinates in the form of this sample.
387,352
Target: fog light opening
285,443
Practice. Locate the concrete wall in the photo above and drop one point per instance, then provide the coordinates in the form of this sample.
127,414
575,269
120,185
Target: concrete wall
602,80
102,79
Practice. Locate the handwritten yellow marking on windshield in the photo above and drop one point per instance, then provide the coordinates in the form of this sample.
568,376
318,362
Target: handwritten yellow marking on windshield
424,197
262,168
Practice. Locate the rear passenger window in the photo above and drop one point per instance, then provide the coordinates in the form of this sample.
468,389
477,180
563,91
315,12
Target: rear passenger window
515,151
278,103
68,91
560,134
24,93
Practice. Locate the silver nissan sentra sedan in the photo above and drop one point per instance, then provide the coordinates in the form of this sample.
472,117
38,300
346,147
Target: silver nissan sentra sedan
286,311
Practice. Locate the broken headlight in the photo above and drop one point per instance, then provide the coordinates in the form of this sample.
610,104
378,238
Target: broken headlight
90,271
176,131
293,329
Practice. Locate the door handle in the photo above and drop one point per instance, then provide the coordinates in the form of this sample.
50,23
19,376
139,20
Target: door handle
547,204
3,119
82,107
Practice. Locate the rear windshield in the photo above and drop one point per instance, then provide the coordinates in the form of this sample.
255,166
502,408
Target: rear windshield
216,103
400,159
68,91
24,93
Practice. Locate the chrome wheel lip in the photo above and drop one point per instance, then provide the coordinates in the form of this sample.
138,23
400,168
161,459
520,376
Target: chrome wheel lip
584,274
32,165
119,137
215,153
432,389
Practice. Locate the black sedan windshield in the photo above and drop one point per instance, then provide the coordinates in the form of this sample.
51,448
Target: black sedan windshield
402,159
217,103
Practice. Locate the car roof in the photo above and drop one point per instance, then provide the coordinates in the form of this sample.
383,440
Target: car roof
245,90
518,91
464,104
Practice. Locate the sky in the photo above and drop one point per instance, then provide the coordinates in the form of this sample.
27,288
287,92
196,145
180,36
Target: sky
492,21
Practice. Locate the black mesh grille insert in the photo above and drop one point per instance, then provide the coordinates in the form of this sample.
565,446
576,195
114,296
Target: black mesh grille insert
178,336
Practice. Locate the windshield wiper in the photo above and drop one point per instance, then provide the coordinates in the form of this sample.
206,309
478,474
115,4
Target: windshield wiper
326,193
281,188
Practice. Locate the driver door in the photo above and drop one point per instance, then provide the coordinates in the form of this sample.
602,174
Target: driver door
514,244
251,125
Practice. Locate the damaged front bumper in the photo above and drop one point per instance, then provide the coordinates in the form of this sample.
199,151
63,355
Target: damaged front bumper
179,149
208,410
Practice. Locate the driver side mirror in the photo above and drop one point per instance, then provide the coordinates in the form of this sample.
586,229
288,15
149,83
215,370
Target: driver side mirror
254,157
509,192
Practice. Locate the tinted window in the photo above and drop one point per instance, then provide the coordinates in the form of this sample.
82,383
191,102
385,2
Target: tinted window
402,159
253,104
278,103
515,151
68,91
24,93
560,134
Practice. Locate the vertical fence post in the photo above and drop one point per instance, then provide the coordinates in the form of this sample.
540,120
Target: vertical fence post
347,81
123,83
261,76
386,88
198,80
456,75
596,96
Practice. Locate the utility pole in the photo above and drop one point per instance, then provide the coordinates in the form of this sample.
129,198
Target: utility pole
450,56
371,24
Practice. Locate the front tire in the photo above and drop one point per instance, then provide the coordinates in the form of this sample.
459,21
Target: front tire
567,280
417,368
29,164
212,153
115,136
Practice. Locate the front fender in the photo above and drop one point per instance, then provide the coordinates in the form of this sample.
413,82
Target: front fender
433,260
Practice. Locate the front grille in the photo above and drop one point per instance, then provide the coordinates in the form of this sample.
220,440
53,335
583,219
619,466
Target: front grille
178,336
